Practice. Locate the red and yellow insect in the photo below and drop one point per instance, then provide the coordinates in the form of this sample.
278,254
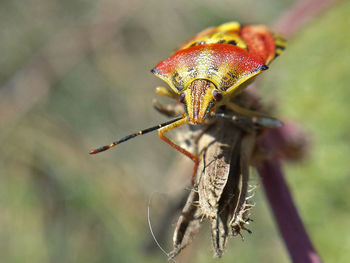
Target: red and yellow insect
208,70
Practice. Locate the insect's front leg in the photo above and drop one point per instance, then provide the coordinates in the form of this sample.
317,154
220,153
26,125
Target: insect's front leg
192,156
160,90
170,110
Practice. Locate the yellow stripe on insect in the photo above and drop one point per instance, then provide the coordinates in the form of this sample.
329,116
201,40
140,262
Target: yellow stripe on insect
280,44
229,26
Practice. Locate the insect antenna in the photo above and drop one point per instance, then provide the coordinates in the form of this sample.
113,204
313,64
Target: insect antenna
263,121
130,136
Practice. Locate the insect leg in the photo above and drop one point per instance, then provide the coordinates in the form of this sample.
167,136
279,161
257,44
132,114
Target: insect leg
166,92
170,110
192,156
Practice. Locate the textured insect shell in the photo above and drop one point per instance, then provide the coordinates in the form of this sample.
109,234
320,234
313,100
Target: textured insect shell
227,66
225,33
257,39
260,42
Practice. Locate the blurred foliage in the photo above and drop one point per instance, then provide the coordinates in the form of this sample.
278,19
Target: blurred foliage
75,75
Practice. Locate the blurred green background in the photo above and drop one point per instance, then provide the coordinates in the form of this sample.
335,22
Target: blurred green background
75,75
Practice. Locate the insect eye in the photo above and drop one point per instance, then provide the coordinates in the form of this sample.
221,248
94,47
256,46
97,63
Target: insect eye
182,97
217,95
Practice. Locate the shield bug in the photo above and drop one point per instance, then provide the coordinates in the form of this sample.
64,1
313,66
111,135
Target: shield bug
207,71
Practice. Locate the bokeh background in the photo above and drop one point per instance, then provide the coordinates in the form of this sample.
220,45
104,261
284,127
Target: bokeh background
75,75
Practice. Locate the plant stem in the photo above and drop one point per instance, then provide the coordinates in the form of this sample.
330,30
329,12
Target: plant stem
286,215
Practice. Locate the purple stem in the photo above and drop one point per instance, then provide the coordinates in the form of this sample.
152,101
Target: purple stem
280,199
299,14
286,215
